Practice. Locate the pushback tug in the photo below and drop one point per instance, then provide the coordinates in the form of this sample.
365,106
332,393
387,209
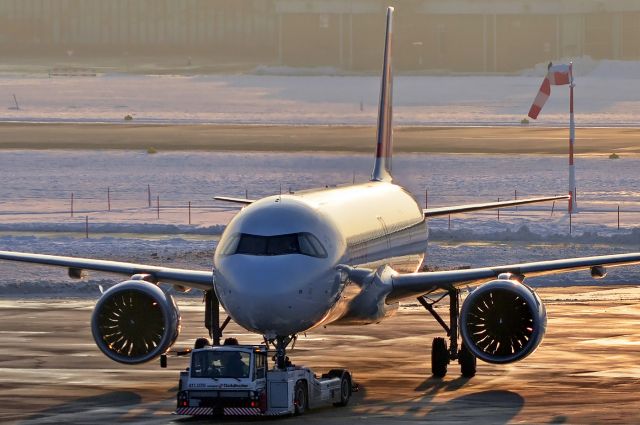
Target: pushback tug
236,380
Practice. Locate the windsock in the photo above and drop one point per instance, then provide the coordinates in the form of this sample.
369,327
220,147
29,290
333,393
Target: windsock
557,75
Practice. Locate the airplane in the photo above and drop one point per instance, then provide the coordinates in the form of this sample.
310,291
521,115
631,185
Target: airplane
346,255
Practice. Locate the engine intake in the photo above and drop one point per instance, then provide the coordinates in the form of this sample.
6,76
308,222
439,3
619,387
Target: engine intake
134,322
502,321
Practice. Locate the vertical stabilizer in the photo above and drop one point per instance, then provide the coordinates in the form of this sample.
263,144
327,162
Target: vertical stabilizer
384,149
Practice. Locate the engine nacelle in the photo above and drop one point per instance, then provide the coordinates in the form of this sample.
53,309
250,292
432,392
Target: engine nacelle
135,321
502,321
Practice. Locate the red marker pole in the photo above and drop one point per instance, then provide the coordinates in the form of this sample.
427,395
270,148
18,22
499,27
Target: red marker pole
86,226
71,204
108,199
189,212
158,206
572,136
570,223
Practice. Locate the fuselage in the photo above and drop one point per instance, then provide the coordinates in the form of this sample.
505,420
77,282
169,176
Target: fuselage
275,265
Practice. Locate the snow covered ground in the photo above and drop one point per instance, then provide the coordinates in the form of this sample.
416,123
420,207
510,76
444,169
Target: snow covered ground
606,95
37,185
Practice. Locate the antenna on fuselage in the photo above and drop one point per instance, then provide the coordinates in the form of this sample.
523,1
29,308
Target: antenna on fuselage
384,148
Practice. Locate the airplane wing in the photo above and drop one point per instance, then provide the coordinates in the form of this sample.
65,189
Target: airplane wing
235,200
435,212
190,278
415,284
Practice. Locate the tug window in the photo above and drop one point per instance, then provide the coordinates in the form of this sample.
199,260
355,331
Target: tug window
261,365
292,243
220,364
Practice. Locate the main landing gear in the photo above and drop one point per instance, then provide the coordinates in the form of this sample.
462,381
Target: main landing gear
441,355
212,320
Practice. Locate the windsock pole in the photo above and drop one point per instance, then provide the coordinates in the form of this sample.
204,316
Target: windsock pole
572,136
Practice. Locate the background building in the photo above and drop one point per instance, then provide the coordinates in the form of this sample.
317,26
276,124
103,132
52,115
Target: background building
431,35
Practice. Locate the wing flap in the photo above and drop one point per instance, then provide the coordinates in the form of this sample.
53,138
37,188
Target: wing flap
190,278
414,284
435,212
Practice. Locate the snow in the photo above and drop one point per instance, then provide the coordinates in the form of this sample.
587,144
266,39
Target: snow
604,97
36,188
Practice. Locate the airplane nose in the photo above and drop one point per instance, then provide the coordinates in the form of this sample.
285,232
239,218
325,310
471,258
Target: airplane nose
276,295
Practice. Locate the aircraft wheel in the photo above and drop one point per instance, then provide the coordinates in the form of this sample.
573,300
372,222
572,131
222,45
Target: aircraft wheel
300,398
439,357
201,343
467,362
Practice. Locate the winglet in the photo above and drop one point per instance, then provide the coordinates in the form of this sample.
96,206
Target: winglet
384,149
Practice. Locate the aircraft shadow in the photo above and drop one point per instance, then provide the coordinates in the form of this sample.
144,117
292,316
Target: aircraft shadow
433,385
113,406
491,407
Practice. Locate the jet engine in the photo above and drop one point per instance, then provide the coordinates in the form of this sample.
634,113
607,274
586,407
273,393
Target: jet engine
135,321
502,321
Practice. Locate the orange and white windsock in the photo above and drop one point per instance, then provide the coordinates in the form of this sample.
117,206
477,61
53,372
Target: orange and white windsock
557,75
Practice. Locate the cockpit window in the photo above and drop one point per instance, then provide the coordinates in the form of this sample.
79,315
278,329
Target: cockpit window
229,246
310,245
252,245
292,243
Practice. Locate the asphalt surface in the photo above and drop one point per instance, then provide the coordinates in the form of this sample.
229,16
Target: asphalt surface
585,371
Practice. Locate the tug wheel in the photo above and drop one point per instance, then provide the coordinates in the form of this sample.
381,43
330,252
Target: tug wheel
345,390
300,398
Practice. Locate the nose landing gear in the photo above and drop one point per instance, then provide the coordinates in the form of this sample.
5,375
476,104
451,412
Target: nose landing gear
280,343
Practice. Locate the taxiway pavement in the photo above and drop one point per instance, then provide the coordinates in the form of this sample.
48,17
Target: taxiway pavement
587,369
